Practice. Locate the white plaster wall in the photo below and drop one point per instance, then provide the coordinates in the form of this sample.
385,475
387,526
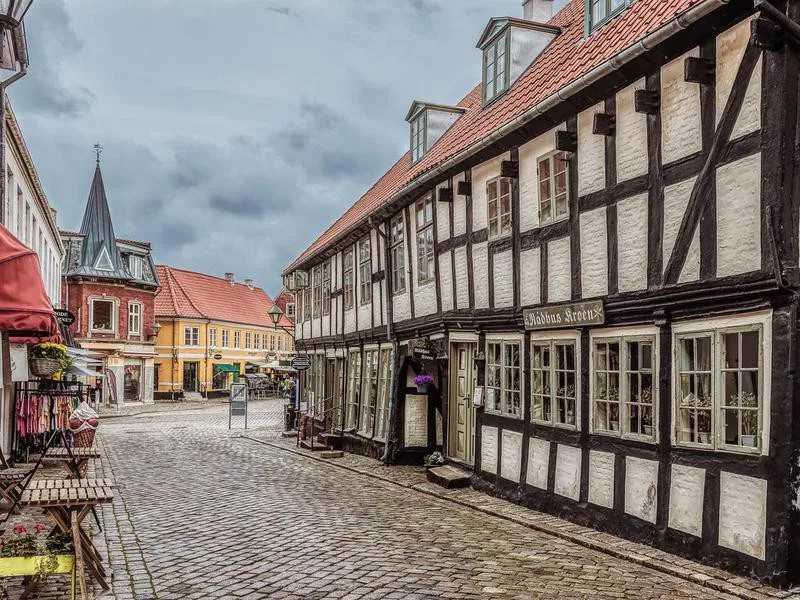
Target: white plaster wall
462,277
641,488
742,513
568,472
480,175
364,314
442,215
511,456
686,493
530,277
591,153
631,135
676,199
739,216
489,442
601,478
503,279
559,271
401,307
446,280
731,45
377,307
459,214
680,110
538,463
529,178
480,272
350,320
632,243
325,325
306,330
594,253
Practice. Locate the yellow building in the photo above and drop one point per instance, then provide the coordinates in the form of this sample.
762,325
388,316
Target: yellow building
212,330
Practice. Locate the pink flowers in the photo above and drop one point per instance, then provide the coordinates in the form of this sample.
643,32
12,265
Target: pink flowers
20,529
40,528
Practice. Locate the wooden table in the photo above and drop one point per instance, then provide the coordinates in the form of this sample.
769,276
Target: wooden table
74,462
68,502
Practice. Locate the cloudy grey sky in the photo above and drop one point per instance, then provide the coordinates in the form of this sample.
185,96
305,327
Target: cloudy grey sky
235,131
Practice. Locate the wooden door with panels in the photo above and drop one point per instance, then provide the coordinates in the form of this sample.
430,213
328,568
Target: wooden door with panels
461,411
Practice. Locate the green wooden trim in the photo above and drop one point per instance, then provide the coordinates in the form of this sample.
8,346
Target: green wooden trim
507,68
589,27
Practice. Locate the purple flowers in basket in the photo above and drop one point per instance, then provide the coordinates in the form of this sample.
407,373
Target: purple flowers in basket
423,379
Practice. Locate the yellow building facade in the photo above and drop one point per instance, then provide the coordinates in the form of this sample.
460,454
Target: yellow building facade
213,330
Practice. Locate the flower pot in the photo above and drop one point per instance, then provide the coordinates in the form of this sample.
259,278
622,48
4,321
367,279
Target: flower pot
648,430
424,388
614,425
24,566
749,441
704,438
44,367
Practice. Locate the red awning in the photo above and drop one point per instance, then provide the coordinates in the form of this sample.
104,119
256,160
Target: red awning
25,310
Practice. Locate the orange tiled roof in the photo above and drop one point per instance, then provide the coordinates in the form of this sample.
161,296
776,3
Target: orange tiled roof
566,59
198,296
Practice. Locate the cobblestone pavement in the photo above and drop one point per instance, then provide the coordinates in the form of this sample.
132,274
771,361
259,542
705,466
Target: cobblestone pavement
205,513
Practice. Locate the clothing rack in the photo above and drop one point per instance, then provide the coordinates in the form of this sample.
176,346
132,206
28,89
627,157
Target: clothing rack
40,409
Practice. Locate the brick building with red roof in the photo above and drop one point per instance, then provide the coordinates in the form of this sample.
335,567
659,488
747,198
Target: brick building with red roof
593,258
213,329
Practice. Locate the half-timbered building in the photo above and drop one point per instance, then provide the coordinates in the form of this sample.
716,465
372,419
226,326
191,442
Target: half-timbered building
594,254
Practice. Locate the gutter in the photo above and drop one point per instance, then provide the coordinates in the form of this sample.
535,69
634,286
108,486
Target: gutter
611,65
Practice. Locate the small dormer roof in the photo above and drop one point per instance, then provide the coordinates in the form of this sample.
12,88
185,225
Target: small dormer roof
418,105
499,24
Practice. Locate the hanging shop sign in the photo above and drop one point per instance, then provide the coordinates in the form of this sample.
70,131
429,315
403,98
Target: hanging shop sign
218,357
422,353
578,314
64,316
301,362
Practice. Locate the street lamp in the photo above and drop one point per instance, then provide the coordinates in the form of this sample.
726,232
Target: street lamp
275,313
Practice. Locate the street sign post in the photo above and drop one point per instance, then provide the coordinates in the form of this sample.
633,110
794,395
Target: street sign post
301,362
238,403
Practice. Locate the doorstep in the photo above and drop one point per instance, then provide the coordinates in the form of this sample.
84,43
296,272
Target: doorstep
449,477
415,478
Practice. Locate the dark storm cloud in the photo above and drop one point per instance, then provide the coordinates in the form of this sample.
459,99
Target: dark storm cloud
234,151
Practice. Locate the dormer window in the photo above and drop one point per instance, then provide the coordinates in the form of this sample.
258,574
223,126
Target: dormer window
495,68
599,12
428,123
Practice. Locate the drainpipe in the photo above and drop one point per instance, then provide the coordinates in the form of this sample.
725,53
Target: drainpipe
613,64
779,17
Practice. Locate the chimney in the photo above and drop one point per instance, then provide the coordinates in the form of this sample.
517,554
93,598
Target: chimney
249,283
540,11
229,278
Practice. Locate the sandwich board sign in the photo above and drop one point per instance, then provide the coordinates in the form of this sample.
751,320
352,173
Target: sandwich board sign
238,403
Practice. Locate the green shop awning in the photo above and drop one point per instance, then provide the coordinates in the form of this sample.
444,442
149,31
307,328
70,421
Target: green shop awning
228,368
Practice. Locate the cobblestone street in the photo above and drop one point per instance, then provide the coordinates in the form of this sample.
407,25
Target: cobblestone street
205,513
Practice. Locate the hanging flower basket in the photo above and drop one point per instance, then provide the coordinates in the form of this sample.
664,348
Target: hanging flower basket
47,359
44,367
424,383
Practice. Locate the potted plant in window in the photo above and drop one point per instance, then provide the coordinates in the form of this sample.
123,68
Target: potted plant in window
749,418
646,398
613,408
424,383
47,359
703,419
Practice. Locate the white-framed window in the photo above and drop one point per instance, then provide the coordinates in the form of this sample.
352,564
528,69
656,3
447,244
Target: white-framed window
555,382
418,145
290,310
369,392
719,388
272,343
280,344
425,250
384,389
624,390
226,339
247,340
349,284
353,390
326,289
316,282
598,12
191,336
237,339
212,337
135,266
397,235
498,200
135,318
256,341
365,271
553,187
495,68
504,377
307,306
103,315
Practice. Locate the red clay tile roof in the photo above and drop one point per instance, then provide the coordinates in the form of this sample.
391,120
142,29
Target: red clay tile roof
283,298
566,60
198,296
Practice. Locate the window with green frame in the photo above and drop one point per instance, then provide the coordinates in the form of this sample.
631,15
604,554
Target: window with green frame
599,12
495,68
418,134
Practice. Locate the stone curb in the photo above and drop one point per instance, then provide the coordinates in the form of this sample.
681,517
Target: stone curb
695,577
158,412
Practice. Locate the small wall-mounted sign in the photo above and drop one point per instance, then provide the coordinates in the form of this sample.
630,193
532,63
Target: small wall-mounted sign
217,356
301,362
477,396
566,315
419,353
64,316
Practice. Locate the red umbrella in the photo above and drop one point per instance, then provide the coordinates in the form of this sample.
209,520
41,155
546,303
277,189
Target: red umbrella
25,310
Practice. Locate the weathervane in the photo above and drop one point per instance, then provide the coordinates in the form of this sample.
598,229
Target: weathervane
98,150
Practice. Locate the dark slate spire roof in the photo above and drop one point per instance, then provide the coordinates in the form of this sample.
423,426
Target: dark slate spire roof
99,252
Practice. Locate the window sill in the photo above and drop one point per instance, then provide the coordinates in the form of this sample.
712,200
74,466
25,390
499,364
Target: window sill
497,413
553,222
745,450
426,283
564,426
628,437
398,292
499,237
